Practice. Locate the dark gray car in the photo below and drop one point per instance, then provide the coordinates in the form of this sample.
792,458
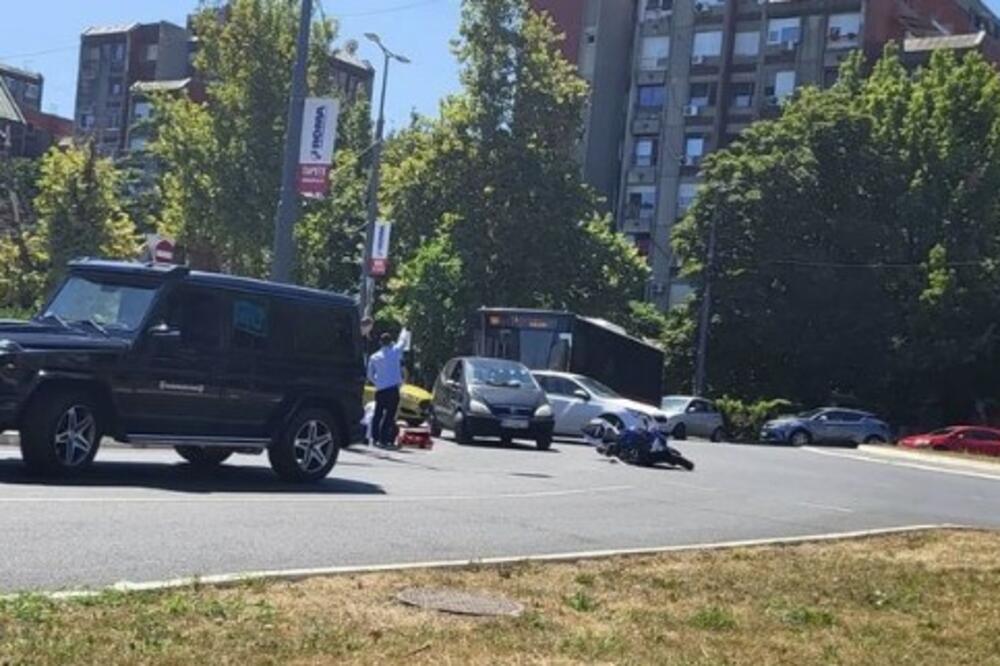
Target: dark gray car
488,397
833,425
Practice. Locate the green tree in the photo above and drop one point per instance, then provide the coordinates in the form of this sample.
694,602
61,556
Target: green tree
22,262
859,243
487,200
222,161
79,211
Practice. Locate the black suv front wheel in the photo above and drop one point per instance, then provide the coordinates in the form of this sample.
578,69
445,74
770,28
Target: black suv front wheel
61,432
308,448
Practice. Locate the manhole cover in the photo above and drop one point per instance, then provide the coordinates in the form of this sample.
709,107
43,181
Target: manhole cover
459,602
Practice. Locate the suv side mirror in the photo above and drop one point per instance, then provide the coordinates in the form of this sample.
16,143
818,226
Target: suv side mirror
582,395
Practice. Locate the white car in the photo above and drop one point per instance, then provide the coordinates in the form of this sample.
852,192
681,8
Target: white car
688,415
576,400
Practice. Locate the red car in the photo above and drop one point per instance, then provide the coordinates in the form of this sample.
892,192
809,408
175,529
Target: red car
974,439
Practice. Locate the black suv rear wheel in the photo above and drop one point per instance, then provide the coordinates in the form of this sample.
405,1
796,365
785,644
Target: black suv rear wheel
201,456
61,432
308,448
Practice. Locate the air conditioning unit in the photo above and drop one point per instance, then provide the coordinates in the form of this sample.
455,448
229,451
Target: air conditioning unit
834,34
692,110
852,36
789,45
697,60
772,100
700,7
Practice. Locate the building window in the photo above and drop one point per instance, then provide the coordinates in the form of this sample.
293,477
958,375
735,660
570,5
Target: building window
655,53
652,98
843,30
707,44
694,148
113,116
118,52
646,151
32,91
686,193
137,143
780,31
659,5
641,203
701,94
783,85
115,87
152,51
86,121
742,95
142,111
92,54
746,44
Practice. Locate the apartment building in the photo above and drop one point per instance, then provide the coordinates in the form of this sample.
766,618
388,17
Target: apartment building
25,87
700,71
351,76
112,60
598,40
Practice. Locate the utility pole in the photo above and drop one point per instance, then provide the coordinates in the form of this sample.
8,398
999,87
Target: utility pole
367,290
705,315
288,206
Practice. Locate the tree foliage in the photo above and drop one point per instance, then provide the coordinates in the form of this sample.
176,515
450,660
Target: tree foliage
487,200
222,161
79,211
859,244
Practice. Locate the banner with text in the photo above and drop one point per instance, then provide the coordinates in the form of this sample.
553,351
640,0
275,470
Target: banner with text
319,136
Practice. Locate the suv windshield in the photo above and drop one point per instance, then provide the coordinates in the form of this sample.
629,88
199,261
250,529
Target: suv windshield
105,306
500,373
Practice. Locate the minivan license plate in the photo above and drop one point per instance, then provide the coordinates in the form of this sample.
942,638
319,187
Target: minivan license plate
514,424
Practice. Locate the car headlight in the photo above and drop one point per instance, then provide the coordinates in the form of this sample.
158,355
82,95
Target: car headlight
478,407
9,347
543,412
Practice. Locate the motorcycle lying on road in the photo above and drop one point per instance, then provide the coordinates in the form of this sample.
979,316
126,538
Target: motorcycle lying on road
639,445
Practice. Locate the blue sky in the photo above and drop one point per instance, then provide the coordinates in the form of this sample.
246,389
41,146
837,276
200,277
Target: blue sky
44,36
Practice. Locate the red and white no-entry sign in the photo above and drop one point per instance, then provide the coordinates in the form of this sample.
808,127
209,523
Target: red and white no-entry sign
163,251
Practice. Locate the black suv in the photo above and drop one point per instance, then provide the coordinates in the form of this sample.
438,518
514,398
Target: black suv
208,364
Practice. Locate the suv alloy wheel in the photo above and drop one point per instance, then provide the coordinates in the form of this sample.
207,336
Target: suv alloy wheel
61,433
308,448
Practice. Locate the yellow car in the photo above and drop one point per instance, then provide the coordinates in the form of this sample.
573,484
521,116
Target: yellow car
414,403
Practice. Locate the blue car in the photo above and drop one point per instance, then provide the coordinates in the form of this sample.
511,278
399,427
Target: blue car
828,425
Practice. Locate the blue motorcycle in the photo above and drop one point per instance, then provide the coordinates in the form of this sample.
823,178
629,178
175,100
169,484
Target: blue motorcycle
636,445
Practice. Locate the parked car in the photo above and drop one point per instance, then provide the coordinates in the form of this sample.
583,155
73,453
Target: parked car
210,365
577,400
833,425
487,397
689,415
974,439
414,403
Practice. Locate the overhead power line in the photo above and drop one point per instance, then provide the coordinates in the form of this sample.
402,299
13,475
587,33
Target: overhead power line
390,10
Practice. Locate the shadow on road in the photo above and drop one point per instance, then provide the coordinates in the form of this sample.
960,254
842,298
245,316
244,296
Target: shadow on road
513,446
183,478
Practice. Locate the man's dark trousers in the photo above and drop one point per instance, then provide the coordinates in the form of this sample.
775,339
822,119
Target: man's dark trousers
384,418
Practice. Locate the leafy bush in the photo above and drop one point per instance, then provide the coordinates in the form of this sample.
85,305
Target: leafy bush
744,419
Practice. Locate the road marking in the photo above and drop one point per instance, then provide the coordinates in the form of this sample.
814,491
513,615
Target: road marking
223,580
271,499
826,507
900,463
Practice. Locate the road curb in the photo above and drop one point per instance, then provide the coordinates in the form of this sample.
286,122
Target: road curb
294,575
916,456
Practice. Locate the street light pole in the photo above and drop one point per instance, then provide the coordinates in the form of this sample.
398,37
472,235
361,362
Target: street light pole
366,293
704,315
288,206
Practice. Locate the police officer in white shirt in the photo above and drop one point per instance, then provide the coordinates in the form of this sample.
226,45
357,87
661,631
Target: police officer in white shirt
385,373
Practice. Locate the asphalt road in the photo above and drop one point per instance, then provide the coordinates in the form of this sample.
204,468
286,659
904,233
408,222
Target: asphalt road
141,516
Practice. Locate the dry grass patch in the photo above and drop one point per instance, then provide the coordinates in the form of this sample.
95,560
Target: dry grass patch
930,598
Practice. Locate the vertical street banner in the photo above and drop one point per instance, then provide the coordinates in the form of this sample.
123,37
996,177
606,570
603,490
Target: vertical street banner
319,134
380,249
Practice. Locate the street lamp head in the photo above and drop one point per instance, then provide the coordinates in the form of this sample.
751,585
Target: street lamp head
372,37
403,59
